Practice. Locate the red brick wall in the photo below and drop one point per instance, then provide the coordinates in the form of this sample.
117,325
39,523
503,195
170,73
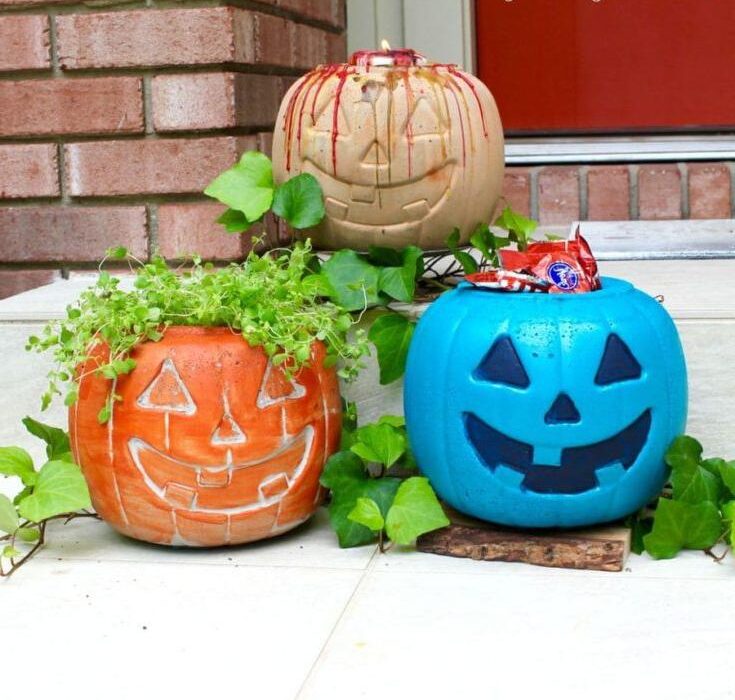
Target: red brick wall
562,194
114,117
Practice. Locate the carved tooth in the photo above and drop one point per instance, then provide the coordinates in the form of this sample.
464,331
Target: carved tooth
180,496
275,485
214,479
335,208
416,211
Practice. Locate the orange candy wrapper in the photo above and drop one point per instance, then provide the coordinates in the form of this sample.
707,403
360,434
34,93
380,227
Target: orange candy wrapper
555,267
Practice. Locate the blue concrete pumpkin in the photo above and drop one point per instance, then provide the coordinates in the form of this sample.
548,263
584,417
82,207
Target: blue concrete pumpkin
543,410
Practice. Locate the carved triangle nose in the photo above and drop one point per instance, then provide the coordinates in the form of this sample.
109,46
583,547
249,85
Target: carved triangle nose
228,432
562,410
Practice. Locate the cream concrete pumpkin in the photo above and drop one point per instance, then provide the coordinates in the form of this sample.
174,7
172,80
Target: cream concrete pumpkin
404,150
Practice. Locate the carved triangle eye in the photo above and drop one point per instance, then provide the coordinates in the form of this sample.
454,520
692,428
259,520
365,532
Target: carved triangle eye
275,388
502,365
618,363
167,392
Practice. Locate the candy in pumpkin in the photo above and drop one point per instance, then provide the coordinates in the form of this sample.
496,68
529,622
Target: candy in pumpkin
543,410
210,443
405,150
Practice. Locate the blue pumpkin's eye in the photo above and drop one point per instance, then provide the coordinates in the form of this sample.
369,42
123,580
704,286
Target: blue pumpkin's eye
617,364
502,365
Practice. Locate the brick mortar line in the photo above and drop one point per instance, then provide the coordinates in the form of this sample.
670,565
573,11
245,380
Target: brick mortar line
147,96
533,183
151,221
684,189
730,165
264,69
252,5
69,139
98,201
633,208
582,173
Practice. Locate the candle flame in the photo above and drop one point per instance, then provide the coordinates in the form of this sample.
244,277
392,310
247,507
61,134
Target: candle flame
384,45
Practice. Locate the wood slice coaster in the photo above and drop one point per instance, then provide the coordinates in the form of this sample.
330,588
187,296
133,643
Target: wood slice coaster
603,548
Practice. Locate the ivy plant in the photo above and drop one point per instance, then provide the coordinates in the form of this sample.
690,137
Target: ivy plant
248,190
696,509
376,493
54,490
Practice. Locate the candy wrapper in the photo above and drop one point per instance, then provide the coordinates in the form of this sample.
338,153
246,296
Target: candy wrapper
547,266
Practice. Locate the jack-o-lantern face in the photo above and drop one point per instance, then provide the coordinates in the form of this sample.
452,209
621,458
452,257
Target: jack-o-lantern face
558,409
210,444
404,153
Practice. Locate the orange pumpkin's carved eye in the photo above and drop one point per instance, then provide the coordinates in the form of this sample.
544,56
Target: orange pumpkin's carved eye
276,388
167,392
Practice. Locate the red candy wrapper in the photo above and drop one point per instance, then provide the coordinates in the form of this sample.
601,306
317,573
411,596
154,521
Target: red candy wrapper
565,266
507,281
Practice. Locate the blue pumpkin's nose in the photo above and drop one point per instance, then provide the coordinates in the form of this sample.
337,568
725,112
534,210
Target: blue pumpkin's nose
562,410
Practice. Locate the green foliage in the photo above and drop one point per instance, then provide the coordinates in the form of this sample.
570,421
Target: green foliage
56,489
60,488
247,188
269,299
373,490
391,334
520,229
696,511
467,261
352,282
415,510
299,201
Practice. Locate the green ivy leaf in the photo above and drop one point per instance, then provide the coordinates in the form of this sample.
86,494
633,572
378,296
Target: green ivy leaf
234,221
15,461
684,451
400,282
300,201
520,229
678,526
8,515
468,263
728,513
346,477
391,334
395,421
379,442
384,257
341,470
727,473
56,439
353,280
247,186
60,489
694,484
367,512
415,511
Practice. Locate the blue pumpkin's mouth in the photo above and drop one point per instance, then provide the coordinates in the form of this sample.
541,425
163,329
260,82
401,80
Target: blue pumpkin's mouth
577,472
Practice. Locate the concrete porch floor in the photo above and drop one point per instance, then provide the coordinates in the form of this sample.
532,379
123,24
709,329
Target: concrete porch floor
98,615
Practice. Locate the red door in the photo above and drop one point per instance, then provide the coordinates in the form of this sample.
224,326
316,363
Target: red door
609,65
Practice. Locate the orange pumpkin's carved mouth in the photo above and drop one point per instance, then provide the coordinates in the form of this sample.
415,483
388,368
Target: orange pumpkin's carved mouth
228,488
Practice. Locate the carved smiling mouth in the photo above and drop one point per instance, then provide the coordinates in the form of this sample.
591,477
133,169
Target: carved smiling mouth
578,469
226,488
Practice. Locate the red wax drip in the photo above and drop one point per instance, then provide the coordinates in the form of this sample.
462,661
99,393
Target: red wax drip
409,127
453,70
342,72
288,117
452,86
402,58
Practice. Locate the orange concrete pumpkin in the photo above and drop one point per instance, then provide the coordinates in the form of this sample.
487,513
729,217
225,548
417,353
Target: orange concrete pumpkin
404,150
210,444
